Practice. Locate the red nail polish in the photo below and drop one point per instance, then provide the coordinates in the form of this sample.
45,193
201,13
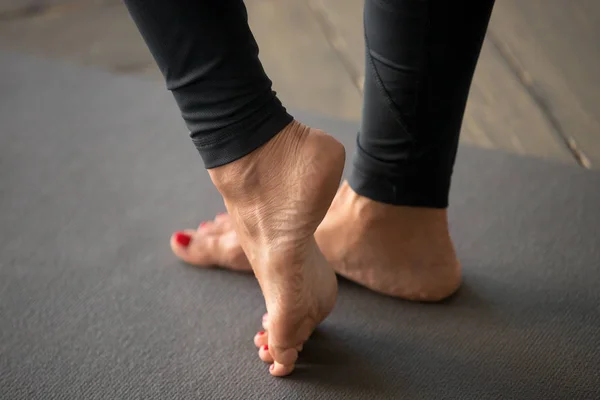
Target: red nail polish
261,333
266,347
183,239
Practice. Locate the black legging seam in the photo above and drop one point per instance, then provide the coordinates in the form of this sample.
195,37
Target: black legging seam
386,96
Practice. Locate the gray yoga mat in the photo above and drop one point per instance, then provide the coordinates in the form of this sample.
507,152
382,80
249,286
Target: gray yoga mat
96,171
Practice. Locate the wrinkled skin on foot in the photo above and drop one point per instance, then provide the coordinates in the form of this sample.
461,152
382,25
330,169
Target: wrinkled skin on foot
276,197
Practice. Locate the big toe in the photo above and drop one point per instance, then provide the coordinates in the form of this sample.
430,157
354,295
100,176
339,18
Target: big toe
213,244
193,248
286,338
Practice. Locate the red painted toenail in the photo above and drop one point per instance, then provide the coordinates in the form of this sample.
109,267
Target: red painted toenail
266,347
183,239
261,333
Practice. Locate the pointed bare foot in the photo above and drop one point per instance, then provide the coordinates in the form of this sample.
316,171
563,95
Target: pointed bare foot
276,197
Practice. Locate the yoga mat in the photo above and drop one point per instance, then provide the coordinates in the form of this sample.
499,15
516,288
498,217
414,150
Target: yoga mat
96,171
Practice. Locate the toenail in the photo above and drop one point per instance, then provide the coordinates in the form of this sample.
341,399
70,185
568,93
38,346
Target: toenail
261,333
203,224
272,367
183,239
266,347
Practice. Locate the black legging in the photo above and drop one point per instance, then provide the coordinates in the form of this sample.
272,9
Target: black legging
420,59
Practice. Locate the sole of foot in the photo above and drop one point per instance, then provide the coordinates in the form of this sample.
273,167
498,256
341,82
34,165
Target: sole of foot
276,197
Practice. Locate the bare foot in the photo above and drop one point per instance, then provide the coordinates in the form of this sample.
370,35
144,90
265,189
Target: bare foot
277,196
399,251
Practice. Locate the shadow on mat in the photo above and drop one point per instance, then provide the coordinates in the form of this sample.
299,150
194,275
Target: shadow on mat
329,359
385,347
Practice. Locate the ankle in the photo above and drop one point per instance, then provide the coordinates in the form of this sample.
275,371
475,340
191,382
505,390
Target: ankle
414,219
260,167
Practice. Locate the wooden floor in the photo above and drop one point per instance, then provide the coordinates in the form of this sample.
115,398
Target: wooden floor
536,89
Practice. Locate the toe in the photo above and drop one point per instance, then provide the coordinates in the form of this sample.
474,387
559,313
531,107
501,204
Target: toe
211,245
264,354
284,357
193,247
182,239
261,339
205,225
277,369
183,244
286,341
221,224
222,218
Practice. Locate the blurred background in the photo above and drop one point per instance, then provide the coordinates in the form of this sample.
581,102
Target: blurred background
536,89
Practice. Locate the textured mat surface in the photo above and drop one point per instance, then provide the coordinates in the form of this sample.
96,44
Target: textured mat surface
96,171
